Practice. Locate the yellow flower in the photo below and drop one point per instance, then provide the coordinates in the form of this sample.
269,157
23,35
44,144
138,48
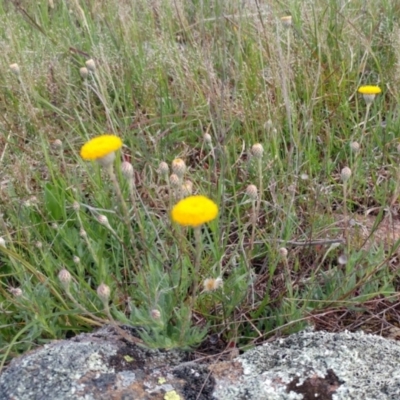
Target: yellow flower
369,90
369,93
194,211
286,20
100,146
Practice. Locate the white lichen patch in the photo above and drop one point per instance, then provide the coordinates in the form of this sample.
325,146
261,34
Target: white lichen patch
58,368
365,366
95,362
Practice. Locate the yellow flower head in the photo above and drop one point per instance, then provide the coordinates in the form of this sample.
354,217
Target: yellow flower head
286,20
100,146
369,90
194,211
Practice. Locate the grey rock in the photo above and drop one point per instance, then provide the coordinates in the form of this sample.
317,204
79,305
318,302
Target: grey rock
308,365
318,365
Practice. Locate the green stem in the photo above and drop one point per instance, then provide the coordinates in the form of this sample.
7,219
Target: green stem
198,250
365,122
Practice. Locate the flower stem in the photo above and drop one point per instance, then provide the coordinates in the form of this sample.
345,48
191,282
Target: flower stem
118,192
198,251
364,128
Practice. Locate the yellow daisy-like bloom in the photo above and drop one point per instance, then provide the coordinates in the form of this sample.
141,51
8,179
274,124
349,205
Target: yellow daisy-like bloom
100,146
369,90
194,211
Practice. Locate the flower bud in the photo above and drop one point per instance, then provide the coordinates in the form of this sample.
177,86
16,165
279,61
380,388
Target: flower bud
82,233
103,291
283,252
103,220
207,138
187,188
57,144
155,314
174,180
345,174
90,65
76,259
257,150
84,72
2,242
163,168
268,125
355,147
14,68
179,167
304,177
127,170
16,292
252,192
65,277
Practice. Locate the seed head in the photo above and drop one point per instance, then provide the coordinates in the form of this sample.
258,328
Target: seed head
179,167
76,259
14,68
127,170
345,174
252,192
211,284
54,226
342,260
103,291
174,180
90,65
2,242
257,150
76,206
84,72
38,245
82,233
65,277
